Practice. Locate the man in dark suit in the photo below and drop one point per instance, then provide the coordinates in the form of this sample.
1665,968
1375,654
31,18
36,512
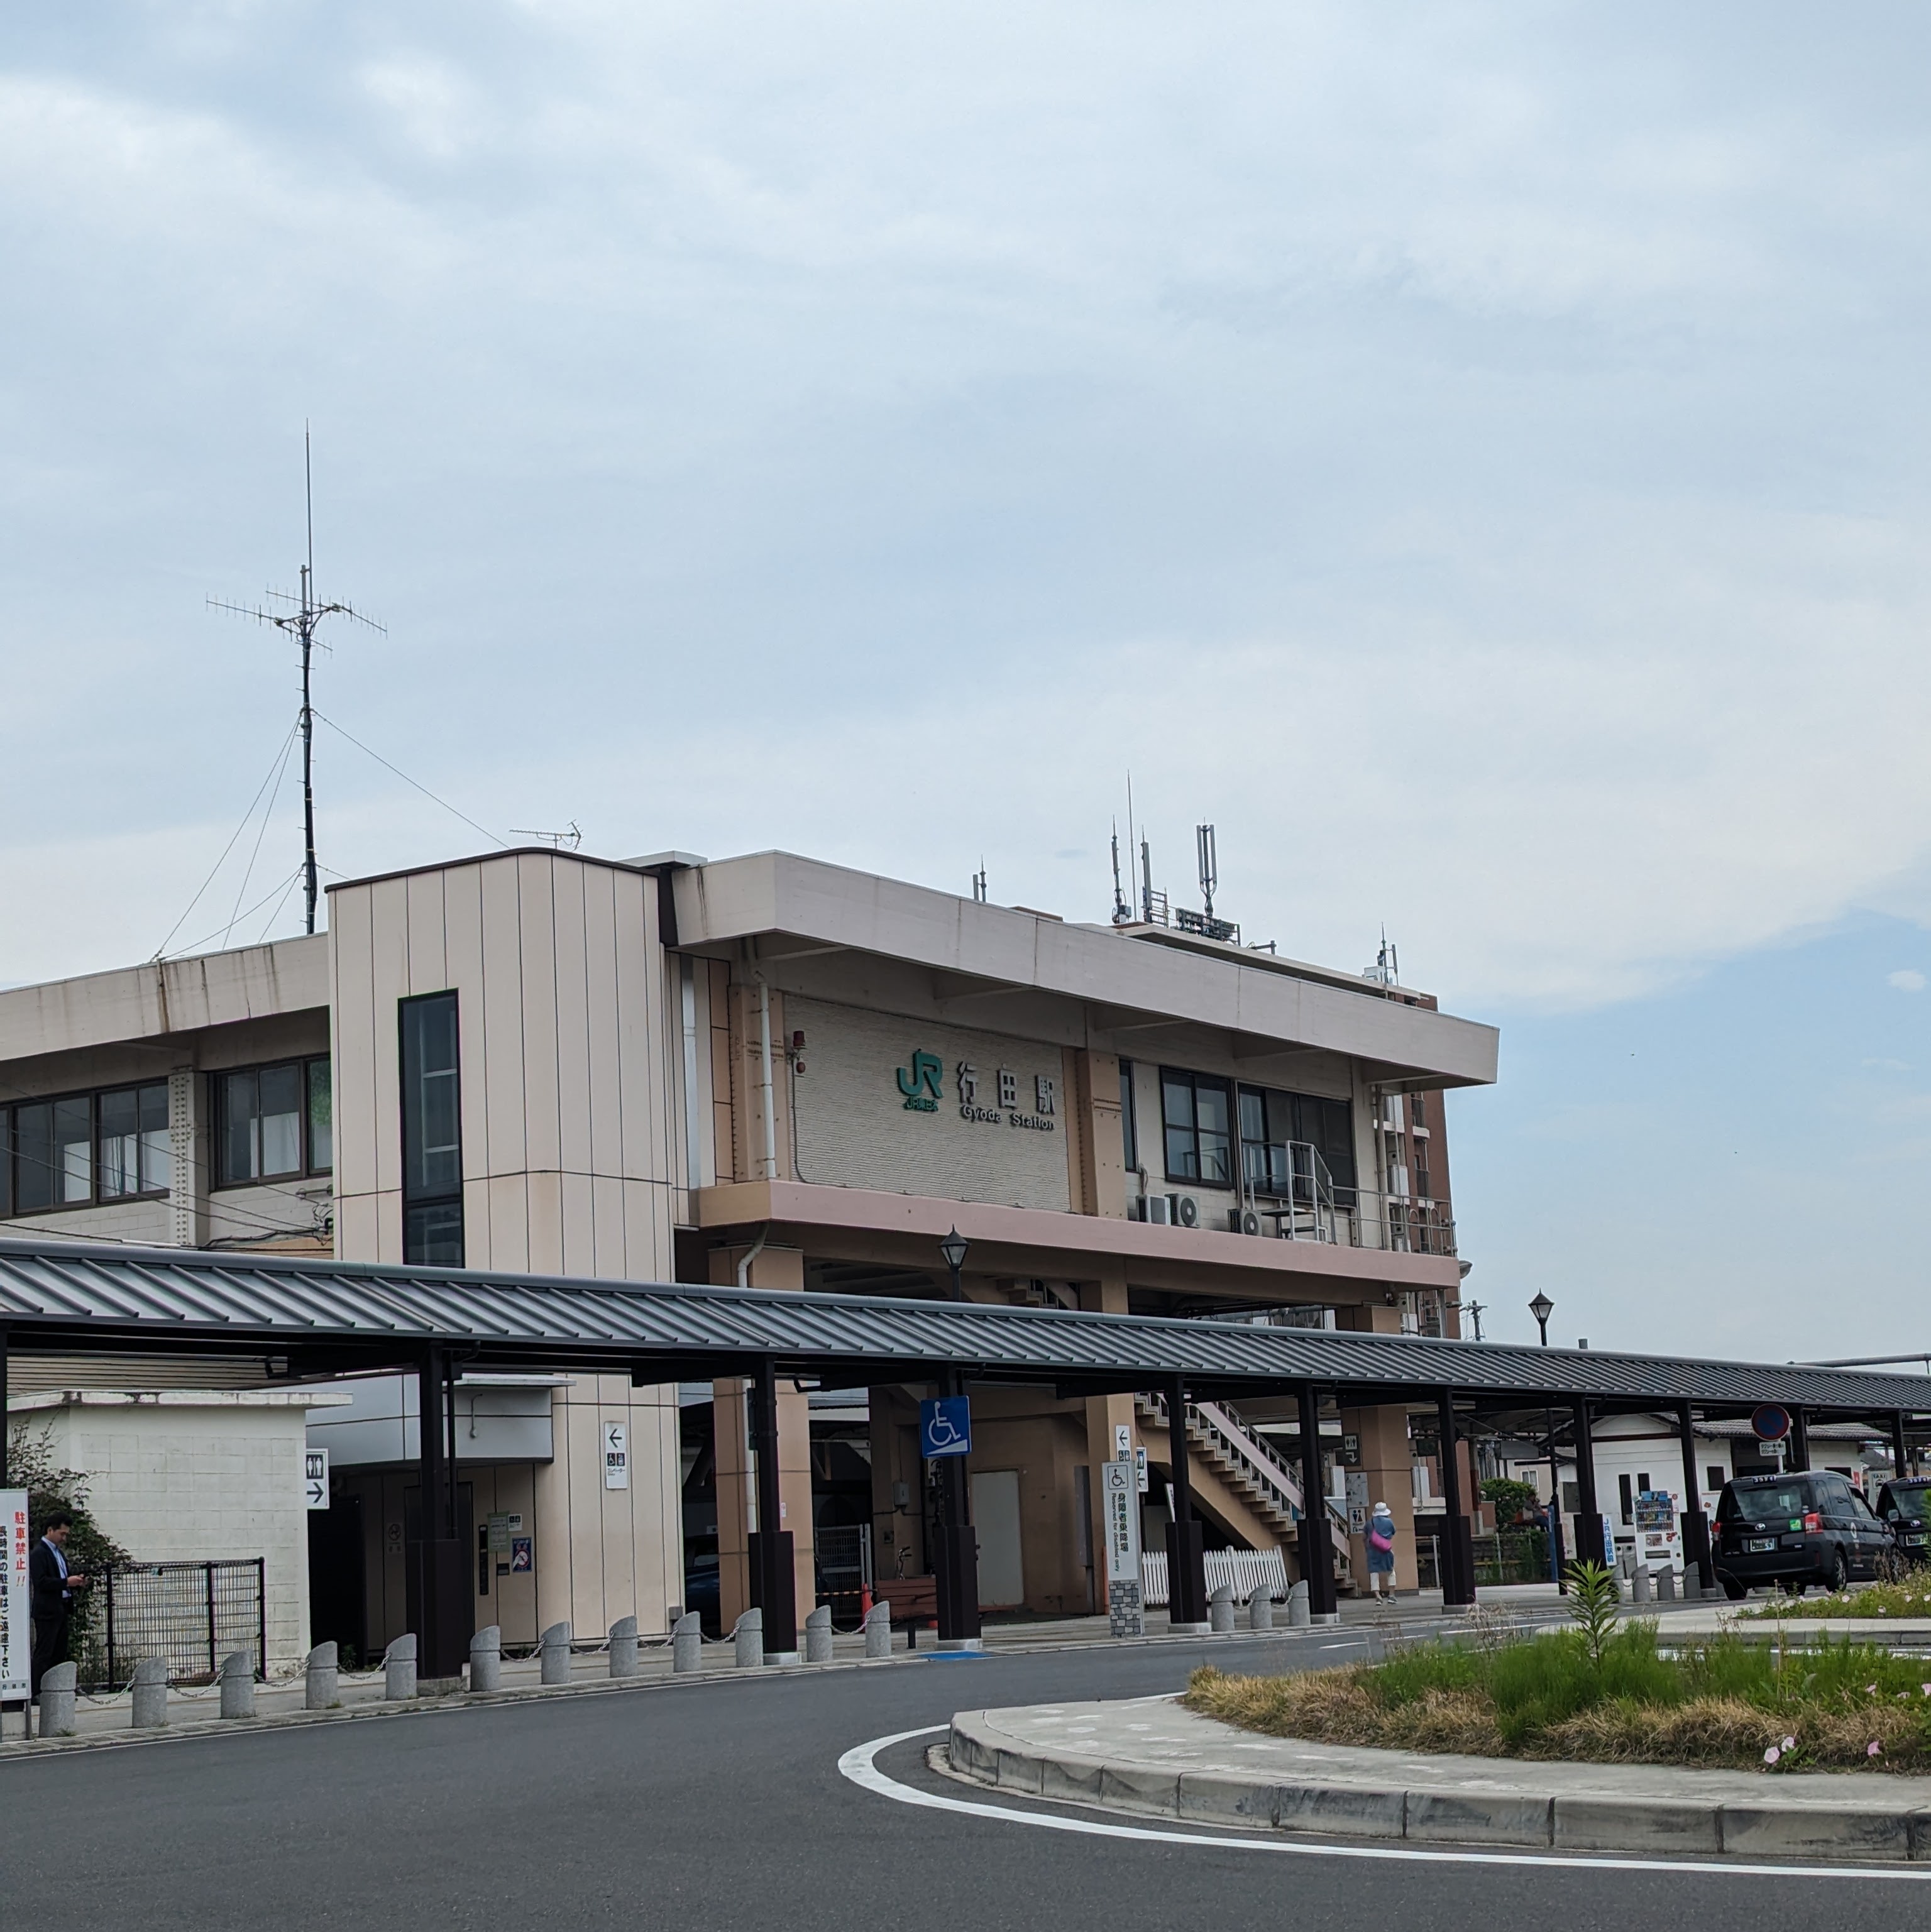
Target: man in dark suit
52,1586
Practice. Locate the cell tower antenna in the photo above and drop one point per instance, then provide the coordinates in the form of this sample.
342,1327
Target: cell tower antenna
301,623
1122,913
1203,845
979,881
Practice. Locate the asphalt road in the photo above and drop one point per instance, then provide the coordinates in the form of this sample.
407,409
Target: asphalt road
710,1806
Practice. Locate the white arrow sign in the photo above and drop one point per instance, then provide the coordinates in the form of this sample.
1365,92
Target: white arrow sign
315,1477
617,1456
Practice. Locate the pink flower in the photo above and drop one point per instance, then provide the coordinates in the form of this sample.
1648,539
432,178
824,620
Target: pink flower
1790,1744
1870,1690
1771,1756
1873,1749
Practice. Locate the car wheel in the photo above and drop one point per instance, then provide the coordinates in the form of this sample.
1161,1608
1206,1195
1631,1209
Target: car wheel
1839,1580
1733,1590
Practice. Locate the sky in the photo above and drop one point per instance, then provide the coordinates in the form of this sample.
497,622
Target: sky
1474,455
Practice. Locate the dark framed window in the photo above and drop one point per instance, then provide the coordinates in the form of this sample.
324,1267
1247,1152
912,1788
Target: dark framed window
1197,1114
273,1123
432,1132
1129,1127
82,1149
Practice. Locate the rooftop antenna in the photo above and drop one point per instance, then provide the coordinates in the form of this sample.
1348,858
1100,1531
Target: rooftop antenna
1122,913
301,623
1203,843
979,881
557,841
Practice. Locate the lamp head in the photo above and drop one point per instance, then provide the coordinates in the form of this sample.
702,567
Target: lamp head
1541,1308
953,1249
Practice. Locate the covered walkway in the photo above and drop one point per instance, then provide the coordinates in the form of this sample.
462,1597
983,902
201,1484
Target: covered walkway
262,1320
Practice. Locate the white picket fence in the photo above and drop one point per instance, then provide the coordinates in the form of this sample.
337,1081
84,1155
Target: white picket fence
1247,1569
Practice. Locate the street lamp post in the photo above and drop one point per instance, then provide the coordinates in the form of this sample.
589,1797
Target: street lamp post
1541,1308
955,1559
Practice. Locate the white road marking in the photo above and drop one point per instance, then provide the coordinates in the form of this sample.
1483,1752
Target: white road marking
858,1764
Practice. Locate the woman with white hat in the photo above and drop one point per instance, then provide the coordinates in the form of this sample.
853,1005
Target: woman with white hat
1381,1551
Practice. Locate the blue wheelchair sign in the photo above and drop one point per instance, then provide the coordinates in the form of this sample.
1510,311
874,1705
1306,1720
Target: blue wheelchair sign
945,1427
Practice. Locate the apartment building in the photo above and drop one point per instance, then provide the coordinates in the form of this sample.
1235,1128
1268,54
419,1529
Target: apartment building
777,1071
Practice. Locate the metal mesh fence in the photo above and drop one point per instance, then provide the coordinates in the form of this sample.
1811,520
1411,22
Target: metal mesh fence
189,1614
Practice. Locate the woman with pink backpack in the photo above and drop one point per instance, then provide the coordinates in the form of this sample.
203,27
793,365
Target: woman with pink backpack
1381,1551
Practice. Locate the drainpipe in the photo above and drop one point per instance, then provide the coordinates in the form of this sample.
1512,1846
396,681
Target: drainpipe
751,1254
765,1078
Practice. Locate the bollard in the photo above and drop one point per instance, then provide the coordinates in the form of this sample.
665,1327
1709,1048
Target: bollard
878,1630
1666,1586
817,1635
1221,1610
1692,1583
398,1667
1261,1608
687,1643
57,1688
238,1684
486,1658
1297,1605
555,1649
748,1634
150,1694
1639,1583
623,1647
322,1687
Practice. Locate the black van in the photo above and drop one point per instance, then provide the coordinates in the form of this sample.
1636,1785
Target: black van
1793,1530
1905,1506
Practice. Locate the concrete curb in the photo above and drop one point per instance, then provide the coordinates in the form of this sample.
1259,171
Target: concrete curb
1670,1825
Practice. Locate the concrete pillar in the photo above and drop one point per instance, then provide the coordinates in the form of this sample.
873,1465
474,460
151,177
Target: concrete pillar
748,1636
238,1684
1220,1610
1298,1613
398,1667
554,1650
736,1504
687,1643
57,1701
817,1635
486,1659
150,1712
878,1630
623,1648
321,1690
1261,1608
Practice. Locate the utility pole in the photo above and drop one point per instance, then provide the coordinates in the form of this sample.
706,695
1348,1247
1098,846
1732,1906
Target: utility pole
301,623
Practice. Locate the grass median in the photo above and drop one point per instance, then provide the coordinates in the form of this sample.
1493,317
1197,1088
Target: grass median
1612,1699
1909,1598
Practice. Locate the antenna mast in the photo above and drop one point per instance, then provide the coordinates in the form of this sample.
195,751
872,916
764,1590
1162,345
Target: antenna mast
301,623
1203,845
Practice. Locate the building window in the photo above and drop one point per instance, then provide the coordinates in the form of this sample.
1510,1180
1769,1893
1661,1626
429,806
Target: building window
1624,1497
86,1148
267,1125
1129,1128
1196,1113
1714,1478
432,1143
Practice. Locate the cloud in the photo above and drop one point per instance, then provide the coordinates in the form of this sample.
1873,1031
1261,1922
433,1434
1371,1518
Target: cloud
1908,979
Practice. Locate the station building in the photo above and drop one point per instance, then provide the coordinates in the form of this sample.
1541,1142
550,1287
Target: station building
777,1072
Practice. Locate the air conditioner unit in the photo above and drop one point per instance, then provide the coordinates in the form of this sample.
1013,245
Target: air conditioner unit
1243,1221
1186,1210
1157,1208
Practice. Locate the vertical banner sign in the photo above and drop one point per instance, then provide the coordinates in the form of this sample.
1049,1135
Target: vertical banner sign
17,1637
315,1477
617,1456
1126,1602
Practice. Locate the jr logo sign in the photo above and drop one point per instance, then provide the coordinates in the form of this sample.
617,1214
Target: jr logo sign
920,1082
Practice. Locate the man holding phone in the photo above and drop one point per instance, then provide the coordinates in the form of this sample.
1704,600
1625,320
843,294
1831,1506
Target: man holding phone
52,1586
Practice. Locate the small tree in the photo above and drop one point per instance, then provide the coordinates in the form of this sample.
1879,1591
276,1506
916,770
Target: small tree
1593,1601
90,1549
1514,1502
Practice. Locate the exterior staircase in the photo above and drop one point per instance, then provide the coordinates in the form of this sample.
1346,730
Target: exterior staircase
1250,1466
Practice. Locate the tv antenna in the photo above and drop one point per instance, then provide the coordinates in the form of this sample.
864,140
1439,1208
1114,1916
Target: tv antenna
1122,913
301,623
1203,845
979,882
557,841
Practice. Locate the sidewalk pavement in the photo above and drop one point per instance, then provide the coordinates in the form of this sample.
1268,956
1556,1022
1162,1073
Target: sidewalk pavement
1154,1757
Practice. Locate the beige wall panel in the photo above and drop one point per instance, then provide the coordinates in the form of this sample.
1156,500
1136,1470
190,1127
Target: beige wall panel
357,1238
855,1130
639,966
546,1223
606,1102
478,1249
582,1424
388,978
579,1224
536,901
555,1552
388,1225
428,947
353,1041
573,1026
649,1215
462,925
607,1237
503,1014
509,1223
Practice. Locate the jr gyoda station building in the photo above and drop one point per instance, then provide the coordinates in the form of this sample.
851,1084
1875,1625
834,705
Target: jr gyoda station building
770,1071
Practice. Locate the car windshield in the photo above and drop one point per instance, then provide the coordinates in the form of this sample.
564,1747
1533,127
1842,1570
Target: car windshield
1914,1505
1765,1502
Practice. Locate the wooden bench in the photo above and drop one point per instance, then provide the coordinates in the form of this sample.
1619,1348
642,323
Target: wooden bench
914,1599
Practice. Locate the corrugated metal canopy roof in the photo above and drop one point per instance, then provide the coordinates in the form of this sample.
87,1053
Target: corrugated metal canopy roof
328,1316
